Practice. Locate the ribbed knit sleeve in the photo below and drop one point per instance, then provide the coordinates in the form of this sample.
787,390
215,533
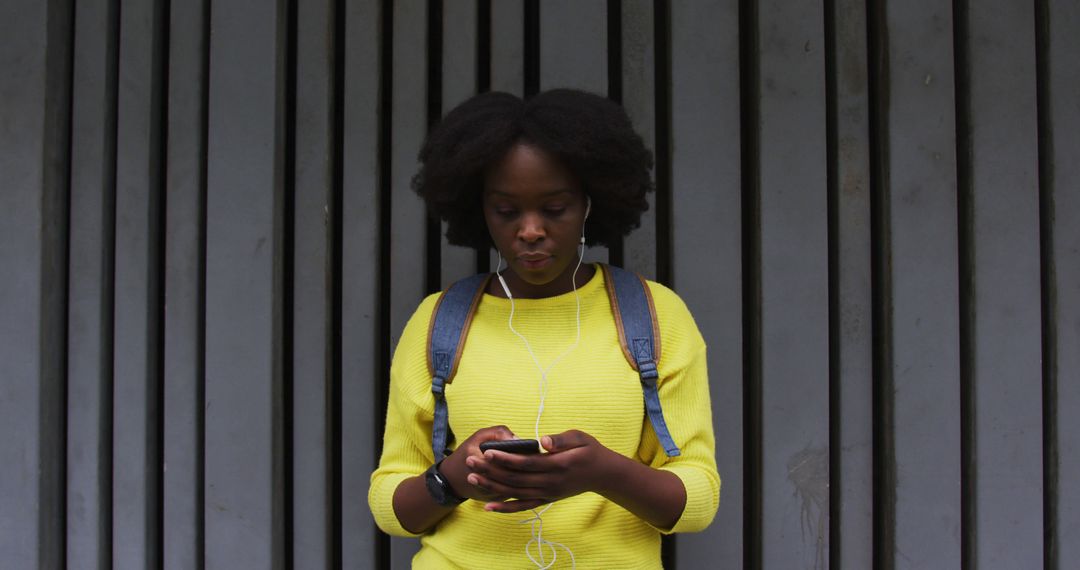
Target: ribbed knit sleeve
410,407
684,393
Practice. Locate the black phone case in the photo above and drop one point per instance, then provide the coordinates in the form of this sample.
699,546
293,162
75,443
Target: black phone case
521,446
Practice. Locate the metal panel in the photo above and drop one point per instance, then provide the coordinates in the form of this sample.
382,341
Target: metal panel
921,274
573,45
34,103
137,381
508,47
459,61
794,319
244,474
1006,343
507,58
1063,183
362,415
639,100
573,53
459,52
851,544
93,162
182,503
934,366
408,219
313,218
706,205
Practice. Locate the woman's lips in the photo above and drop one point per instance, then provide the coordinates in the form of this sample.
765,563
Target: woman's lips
534,260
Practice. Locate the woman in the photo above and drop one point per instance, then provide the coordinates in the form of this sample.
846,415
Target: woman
539,179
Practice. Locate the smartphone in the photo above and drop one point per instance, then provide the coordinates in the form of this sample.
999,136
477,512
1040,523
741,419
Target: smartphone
521,446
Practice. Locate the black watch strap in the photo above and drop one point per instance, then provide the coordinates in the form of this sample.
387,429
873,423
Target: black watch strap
439,488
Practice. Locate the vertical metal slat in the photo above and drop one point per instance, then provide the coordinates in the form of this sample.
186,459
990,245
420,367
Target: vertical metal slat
408,218
312,281
136,350
851,545
185,275
639,98
93,163
706,208
245,184
35,46
919,190
459,71
362,416
1006,319
794,320
1063,184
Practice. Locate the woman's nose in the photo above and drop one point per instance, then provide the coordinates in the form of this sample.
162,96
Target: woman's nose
531,229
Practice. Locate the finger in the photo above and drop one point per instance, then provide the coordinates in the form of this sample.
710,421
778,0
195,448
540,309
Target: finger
479,464
499,432
535,463
493,433
563,441
487,485
482,491
514,506
514,478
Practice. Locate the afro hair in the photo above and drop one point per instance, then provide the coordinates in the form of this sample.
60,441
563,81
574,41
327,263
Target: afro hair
590,135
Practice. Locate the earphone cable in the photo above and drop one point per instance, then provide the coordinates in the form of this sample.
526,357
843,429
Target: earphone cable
536,522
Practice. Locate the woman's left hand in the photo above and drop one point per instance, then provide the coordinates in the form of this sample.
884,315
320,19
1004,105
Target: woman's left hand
575,463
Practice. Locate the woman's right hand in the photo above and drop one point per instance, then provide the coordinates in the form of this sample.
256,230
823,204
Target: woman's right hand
417,511
455,470
414,507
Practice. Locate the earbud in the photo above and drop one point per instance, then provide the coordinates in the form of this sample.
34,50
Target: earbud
588,208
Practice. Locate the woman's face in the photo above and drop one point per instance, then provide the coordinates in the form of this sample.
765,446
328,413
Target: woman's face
535,211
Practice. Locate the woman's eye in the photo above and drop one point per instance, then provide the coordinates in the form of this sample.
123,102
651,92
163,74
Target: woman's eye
505,212
555,210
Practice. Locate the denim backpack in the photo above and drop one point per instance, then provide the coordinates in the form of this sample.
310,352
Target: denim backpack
635,320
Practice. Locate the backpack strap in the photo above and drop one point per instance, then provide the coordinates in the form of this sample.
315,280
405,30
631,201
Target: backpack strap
639,334
447,331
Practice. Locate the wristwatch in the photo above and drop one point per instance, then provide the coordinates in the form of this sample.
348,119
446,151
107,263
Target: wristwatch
440,488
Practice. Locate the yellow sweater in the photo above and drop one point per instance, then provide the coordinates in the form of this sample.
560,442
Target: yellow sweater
592,389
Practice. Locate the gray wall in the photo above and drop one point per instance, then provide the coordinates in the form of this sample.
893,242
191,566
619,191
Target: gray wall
210,248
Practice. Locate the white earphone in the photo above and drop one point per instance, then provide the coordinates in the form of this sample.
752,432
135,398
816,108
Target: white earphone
588,208
498,273
536,523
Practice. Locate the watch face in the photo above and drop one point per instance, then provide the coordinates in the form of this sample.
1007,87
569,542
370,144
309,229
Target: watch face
439,488
434,487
